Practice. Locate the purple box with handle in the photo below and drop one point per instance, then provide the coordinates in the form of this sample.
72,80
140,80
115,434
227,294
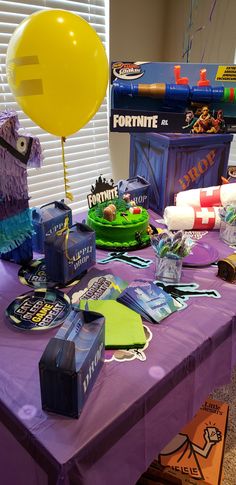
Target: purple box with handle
71,363
47,220
138,188
70,253
175,162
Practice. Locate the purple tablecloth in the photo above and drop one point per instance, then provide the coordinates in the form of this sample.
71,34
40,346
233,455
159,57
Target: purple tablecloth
135,407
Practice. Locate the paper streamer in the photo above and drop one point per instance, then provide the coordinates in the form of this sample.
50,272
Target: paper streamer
191,31
191,218
219,195
65,230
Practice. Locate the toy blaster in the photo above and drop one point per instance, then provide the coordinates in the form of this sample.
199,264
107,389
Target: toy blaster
153,96
180,91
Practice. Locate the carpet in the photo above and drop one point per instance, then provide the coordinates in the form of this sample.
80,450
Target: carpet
225,394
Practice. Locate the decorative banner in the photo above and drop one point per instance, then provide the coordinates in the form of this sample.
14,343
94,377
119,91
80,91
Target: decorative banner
34,275
102,191
41,309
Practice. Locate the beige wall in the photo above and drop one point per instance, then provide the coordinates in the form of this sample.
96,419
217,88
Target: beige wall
136,34
155,30
215,42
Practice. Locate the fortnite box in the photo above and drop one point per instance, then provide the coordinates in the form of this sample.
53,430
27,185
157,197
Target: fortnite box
71,362
138,188
195,455
70,253
175,162
170,98
47,220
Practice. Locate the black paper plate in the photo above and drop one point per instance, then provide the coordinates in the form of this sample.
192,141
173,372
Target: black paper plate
34,275
41,309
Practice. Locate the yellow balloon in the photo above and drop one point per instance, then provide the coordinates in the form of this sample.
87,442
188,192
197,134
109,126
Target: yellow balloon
57,70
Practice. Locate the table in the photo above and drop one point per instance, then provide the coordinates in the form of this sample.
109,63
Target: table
135,406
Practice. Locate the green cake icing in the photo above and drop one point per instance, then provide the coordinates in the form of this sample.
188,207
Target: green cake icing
129,231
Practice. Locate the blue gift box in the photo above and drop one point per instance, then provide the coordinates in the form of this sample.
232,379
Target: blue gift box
70,253
175,162
47,220
138,188
71,363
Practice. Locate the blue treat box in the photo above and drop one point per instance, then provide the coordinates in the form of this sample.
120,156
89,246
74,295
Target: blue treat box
176,162
138,188
47,220
69,254
71,363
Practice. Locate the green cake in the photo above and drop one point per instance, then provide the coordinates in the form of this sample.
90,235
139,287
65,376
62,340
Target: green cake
127,230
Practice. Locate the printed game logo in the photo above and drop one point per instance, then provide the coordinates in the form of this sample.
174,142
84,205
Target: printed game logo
134,121
55,228
212,408
81,257
199,169
39,309
92,367
129,71
102,287
101,191
140,199
39,312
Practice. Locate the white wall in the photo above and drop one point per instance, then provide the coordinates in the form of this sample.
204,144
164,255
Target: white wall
155,30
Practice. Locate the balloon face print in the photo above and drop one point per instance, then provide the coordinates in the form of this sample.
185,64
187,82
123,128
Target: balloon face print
57,69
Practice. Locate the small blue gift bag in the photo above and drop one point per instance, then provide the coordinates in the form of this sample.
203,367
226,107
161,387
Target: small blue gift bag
69,253
138,188
47,220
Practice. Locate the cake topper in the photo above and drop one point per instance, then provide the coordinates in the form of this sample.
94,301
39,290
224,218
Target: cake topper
102,191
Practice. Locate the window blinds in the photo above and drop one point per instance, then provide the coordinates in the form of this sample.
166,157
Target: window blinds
86,152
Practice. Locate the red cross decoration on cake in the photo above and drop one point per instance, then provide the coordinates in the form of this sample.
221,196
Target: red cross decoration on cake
204,218
210,197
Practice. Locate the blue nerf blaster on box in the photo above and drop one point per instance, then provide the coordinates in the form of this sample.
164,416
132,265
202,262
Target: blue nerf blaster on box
154,97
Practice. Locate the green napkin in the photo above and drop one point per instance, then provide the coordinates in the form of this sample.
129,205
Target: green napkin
123,326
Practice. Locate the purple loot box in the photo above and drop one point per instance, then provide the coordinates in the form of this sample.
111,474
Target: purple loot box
175,162
71,362
47,220
138,188
70,253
